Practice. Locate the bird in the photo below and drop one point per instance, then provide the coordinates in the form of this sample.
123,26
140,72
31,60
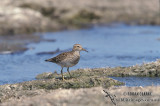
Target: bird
68,59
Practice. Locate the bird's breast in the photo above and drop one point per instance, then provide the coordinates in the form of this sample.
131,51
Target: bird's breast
75,60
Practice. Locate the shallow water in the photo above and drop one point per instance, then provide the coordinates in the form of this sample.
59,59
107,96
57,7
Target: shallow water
108,46
138,81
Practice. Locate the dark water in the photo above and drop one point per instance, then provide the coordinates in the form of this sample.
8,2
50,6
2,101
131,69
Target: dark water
116,45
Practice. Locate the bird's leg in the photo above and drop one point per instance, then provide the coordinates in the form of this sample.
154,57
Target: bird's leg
69,72
62,74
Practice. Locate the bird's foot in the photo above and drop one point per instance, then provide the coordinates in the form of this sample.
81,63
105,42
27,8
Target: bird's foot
63,78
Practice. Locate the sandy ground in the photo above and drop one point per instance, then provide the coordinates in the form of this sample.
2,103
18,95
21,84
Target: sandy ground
121,96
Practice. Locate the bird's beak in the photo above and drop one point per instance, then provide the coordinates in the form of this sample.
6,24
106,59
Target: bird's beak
84,50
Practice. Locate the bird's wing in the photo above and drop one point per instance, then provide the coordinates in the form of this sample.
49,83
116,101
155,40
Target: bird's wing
58,58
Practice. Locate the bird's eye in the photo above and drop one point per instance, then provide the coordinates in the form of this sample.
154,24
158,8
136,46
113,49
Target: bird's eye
77,46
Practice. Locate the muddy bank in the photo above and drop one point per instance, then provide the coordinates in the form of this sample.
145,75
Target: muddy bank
16,43
151,69
27,16
36,87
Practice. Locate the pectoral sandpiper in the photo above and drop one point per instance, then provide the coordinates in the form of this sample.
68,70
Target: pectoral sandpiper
68,59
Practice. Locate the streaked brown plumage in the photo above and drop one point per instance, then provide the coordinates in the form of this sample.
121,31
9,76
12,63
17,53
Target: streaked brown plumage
68,59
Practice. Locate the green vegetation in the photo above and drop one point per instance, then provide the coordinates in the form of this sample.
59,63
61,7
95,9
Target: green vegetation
81,78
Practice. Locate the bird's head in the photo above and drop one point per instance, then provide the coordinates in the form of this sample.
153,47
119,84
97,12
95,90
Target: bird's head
78,47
